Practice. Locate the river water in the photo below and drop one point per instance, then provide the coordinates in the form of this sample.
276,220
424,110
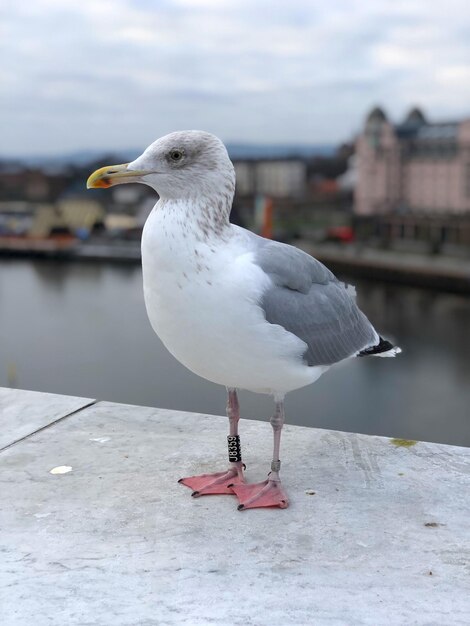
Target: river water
81,329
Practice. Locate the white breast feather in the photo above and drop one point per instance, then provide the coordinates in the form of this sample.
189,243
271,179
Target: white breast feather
202,299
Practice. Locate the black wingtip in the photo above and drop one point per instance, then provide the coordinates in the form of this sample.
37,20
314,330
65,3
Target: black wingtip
383,346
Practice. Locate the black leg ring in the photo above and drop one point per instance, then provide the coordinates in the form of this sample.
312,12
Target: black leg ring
234,448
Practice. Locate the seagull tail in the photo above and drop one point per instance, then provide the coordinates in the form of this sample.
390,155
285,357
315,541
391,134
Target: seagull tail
384,349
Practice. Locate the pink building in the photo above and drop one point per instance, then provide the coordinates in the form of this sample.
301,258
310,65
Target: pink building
414,167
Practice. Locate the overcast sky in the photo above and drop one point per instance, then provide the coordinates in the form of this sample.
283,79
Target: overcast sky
87,74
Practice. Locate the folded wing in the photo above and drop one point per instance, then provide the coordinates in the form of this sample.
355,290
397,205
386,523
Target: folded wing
309,301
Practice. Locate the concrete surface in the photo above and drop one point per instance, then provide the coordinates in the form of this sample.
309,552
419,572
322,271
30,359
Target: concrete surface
377,533
25,412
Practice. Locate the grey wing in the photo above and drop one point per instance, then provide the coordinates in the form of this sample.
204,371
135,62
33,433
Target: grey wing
308,301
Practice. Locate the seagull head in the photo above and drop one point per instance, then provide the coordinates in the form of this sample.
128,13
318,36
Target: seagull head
180,165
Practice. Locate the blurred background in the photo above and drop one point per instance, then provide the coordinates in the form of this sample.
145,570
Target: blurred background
349,128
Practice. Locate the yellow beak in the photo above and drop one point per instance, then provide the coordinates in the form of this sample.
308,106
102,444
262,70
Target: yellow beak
114,175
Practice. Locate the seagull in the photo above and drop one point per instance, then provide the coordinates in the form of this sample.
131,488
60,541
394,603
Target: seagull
233,307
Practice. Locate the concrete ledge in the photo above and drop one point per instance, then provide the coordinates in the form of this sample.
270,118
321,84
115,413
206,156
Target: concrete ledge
384,538
25,412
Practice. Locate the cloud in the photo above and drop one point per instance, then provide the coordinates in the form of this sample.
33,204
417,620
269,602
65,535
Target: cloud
117,73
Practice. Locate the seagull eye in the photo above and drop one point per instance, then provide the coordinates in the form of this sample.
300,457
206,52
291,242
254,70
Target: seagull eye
176,155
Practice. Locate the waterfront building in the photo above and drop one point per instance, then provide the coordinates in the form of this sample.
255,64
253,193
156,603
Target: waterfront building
278,178
416,167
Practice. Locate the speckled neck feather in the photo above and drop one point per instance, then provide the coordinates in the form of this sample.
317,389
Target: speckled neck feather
206,214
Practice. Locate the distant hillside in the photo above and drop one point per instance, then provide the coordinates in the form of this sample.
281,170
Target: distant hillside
79,158
275,151
235,150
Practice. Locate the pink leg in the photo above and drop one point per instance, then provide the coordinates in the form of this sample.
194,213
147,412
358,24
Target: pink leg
268,493
221,482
